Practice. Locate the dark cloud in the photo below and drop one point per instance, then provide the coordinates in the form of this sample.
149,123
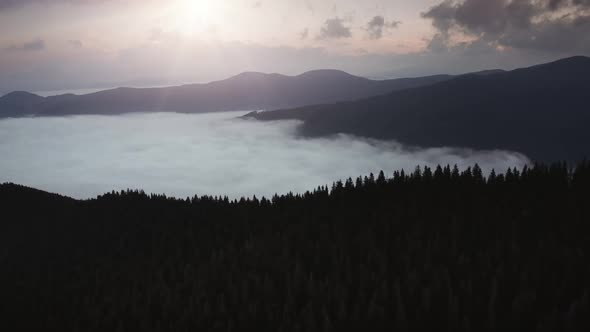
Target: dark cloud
32,46
10,4
377,25
545,25
555,4
334,28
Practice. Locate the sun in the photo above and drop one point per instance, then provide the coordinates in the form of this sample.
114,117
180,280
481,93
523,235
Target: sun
193,16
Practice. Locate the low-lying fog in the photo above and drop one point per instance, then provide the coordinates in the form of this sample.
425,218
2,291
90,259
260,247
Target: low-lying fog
214,154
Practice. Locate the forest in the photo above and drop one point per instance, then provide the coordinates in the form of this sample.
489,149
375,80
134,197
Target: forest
539,111
432,249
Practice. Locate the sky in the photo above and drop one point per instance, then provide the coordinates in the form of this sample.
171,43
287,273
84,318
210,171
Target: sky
82,44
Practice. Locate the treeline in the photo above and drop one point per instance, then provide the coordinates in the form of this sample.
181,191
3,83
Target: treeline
430,250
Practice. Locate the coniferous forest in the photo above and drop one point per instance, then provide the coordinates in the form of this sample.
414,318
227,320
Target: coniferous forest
428,250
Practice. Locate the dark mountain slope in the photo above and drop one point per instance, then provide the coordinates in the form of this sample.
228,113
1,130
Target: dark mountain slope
242,92
435,250
19,103
542,111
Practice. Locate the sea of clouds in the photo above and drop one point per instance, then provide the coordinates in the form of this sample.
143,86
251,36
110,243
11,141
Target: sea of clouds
215,154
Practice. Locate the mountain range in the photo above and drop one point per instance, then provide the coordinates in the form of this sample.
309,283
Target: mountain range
541,111
246,91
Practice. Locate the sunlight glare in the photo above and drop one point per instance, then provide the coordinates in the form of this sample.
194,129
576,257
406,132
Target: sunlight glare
193,16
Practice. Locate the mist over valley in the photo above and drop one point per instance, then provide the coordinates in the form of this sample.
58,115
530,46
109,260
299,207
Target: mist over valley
202,154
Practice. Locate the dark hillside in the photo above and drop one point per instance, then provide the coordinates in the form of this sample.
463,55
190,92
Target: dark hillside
434,250
541,111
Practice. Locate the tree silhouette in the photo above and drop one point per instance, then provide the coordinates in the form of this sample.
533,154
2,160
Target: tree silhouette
431,250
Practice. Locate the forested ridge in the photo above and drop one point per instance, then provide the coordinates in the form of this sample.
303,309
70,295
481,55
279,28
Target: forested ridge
428,250
540,111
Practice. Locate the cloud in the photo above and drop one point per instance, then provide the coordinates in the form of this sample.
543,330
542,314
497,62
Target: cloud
10,4
32,46
213,154
377,25
555,4
544,25
309,6
75,43
15,4
334,28
304,34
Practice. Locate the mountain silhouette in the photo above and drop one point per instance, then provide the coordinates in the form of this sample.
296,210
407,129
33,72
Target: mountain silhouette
19,103
436,249
246,91
542,111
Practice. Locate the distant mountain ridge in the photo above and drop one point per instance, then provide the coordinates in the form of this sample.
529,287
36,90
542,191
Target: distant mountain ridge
542,111
18,103
246,91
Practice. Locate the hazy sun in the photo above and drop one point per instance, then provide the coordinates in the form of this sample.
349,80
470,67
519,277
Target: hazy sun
192,16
